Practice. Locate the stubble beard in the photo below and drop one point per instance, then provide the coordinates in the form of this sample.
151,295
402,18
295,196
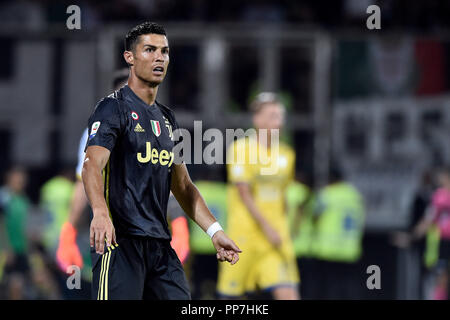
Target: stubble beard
149,82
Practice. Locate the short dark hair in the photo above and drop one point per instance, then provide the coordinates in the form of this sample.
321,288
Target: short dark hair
144,28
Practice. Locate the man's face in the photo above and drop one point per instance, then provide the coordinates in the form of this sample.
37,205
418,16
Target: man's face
150,58
271,116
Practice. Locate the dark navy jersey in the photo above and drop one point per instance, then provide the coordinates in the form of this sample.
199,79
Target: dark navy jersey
138,174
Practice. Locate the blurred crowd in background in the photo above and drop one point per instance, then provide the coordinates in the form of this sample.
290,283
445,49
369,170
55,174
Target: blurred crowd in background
320,222
429,16
384,116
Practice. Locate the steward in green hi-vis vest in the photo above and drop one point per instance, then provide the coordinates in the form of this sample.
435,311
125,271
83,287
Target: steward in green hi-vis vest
215,195
339,223
299,200
56,196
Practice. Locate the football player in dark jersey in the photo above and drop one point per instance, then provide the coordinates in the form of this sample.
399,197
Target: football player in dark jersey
128,173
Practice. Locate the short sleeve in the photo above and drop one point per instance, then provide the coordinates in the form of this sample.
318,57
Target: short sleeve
105,124
238,167
81,153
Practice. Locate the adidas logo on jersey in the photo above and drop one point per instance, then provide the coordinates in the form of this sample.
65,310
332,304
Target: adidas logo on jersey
139,128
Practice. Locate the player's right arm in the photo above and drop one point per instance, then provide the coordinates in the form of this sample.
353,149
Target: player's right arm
106,124
101,226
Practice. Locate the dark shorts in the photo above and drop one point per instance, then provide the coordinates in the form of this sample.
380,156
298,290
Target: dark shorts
138,268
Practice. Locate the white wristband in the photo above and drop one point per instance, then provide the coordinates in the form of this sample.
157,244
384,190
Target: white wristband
213,229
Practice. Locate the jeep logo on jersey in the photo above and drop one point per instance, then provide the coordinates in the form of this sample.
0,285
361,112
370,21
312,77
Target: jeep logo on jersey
156,127
163,157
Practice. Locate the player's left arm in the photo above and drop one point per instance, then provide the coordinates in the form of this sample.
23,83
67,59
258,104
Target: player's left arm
195,207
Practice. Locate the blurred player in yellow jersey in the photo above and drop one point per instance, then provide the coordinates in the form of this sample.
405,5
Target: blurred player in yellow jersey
257,218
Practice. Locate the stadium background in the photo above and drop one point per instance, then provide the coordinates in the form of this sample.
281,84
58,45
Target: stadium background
375,102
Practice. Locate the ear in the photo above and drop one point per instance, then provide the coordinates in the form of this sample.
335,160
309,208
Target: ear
129,58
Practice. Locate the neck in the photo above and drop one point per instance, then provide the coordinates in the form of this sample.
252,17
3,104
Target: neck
144,90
